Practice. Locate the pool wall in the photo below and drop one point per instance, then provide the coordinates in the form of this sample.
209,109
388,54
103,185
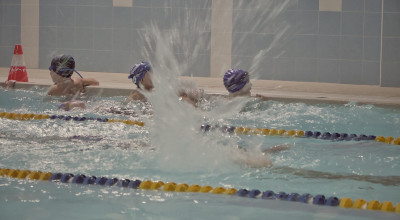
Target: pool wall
334,41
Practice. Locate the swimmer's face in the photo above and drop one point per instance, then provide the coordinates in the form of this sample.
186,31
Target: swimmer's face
245,91
247,88
146,81
55,77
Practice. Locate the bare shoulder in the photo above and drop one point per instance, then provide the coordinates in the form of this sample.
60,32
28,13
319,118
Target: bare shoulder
53,90
90,82
86,82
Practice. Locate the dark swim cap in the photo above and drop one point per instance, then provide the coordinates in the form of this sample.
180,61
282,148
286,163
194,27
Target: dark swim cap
63,65
138,71
235,79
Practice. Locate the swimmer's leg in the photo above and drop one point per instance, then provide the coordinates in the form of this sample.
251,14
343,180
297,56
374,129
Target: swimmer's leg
384,180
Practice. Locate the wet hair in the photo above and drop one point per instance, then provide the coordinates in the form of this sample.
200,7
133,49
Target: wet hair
63,65
138,71
235,79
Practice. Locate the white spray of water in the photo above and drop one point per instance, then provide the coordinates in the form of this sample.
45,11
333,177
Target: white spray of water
176,134
265,21
176,129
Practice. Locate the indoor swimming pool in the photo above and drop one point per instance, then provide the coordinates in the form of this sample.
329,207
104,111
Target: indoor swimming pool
223,157
173,146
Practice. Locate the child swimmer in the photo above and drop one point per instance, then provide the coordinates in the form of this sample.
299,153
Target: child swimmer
61,69
237,82
141,74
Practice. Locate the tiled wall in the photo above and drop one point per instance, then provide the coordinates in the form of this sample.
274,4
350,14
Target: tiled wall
336,41
10,29
107,38
340,45
391,44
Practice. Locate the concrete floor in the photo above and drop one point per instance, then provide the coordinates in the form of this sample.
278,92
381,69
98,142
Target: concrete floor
310,92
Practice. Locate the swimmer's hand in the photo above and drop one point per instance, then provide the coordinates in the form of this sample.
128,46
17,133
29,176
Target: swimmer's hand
263,98
9,84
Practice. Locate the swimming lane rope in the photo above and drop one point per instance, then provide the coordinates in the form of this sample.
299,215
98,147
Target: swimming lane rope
304,134
320,199
18,116
229,129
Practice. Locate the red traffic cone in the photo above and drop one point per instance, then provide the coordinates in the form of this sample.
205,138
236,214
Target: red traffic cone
18,68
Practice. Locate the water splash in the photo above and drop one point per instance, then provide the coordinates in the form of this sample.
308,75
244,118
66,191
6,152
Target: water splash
175,131
271,32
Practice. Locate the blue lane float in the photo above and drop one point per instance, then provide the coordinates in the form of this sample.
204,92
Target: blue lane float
79,179
292,197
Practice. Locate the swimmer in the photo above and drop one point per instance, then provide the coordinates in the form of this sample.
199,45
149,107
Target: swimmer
237,82
384,180
61,69
259,160
189,92
66,106
141,73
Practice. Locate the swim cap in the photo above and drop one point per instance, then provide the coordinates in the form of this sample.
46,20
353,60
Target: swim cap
138,71
63,65
235,79
65,106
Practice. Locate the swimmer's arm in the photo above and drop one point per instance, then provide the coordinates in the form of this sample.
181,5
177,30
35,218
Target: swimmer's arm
89,82
188,100
191,96
276,149
53,90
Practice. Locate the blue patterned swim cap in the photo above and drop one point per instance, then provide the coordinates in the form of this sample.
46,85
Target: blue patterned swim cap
138,71
235,79
63,65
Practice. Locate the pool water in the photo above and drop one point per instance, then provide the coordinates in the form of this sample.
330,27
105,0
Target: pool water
171,147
